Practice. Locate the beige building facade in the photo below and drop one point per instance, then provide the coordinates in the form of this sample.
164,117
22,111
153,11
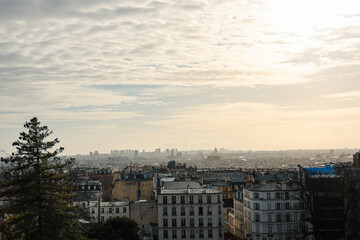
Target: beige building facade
144,212
132,190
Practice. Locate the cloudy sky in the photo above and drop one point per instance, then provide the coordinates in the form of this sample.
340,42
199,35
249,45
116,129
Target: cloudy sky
190,74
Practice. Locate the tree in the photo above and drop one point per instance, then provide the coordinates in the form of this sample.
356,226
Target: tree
37,189
114,229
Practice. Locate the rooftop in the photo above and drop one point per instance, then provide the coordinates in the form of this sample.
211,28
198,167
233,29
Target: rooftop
109,204
327,170
186,187
270,187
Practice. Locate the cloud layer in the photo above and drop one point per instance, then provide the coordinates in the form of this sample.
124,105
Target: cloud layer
138,73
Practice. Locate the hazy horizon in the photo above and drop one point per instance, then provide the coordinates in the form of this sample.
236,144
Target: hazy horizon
104,75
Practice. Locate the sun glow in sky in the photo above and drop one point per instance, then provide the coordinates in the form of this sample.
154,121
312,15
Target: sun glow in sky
248,74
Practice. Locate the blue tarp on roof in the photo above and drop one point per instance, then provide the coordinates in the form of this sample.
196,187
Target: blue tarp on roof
319,170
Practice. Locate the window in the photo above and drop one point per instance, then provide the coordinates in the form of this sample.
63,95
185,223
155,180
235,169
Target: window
269,206
210,233
220,233
192,233
173,211
201,222
209,222
288,217
102,210
164,199
278,195
256,206
209,211
295,205
182,198
220,222
256,195
278,217
165,222
174,222
183,234
201,233
208,199
279,227
183,222
268,195
288,228
191,211
173,199
124,209
269,217
117,210
166,234
278,205
93,210
287,205
191,222
220,210
165,211
257,217
110,210
257,227
182,211
191,198
200,211
218,197
174,233
269,228
102,218
200,199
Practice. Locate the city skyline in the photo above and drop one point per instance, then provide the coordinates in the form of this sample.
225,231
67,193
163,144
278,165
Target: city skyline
246,74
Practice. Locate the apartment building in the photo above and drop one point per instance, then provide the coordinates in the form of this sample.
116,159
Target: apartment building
186,210
106,210
271,211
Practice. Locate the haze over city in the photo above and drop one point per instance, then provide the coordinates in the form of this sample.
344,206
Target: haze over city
143,74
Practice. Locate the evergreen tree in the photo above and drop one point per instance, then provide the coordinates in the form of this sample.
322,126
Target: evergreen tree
37,189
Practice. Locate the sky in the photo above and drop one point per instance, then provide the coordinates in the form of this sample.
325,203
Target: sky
190,74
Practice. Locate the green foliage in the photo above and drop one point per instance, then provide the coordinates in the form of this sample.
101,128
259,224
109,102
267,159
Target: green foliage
37,189
114,229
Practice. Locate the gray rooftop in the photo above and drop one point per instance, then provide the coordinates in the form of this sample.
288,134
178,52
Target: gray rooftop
109,204
186,187
181,185
237,177
270,187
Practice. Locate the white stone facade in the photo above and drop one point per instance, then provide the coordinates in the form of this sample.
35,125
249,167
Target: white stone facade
271,211
108,210
191,212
